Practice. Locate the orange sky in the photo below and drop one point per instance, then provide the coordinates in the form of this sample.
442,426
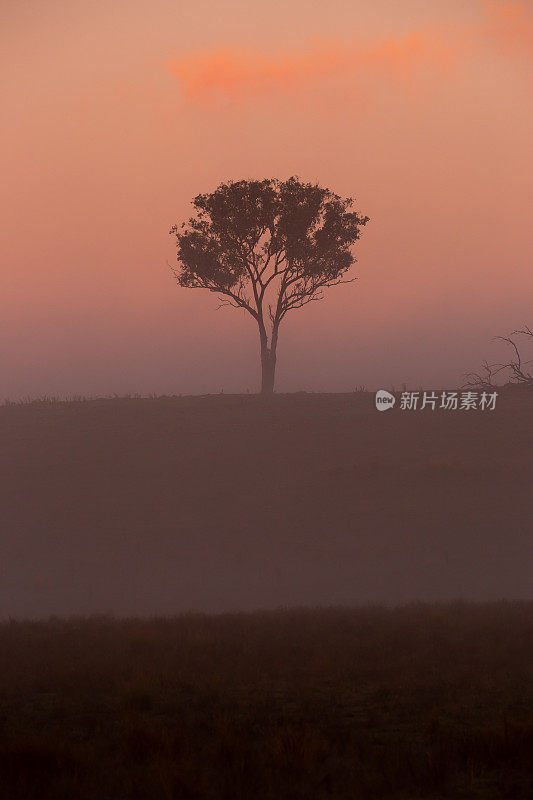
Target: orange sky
118,113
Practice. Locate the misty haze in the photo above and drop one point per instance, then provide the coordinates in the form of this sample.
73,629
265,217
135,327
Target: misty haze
266,396
223,503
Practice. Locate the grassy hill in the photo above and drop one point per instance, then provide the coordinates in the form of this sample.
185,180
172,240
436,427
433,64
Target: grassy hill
232,502
416,702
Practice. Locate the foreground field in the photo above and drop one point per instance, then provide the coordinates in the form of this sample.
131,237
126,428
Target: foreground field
423,701
139,506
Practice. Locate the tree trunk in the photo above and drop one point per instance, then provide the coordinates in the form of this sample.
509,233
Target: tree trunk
268,371
268,357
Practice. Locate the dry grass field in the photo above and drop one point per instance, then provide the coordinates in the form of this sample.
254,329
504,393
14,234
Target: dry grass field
423,701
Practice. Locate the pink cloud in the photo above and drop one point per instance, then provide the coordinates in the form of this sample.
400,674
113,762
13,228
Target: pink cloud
239,75
511,25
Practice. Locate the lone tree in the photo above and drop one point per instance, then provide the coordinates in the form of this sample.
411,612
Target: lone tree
267,247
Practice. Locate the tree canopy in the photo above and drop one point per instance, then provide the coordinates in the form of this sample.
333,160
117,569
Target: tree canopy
268,246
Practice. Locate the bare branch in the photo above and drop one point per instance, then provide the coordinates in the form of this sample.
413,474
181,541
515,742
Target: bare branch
515,367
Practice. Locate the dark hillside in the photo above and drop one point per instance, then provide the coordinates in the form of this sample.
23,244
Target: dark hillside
231,502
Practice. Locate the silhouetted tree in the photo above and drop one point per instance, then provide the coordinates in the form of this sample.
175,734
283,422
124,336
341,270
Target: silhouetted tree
268,247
